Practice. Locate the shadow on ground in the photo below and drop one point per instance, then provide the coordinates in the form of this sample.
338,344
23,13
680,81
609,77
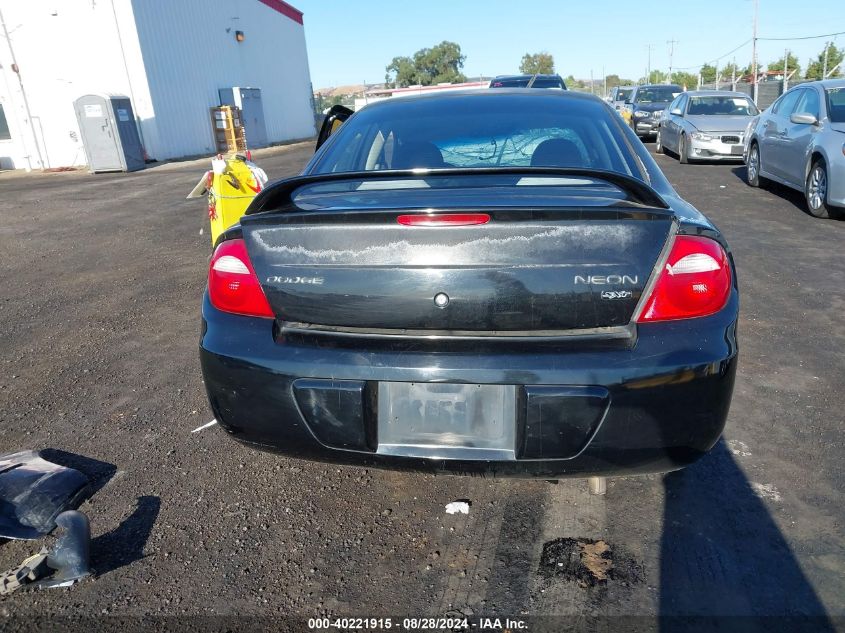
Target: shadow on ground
99,473
723,555
793,197
125,544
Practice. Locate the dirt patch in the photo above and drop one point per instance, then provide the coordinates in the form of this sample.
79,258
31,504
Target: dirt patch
588,562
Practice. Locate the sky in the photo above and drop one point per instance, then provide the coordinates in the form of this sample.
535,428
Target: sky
351,43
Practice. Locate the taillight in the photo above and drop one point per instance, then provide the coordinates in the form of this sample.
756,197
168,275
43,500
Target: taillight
695,281
232,283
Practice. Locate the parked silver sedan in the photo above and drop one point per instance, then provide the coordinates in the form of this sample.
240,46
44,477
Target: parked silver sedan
799,141
706,125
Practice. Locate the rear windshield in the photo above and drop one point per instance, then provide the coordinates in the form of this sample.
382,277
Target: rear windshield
836,104
519,82
488,130
623,94
657,95
522,82
722,106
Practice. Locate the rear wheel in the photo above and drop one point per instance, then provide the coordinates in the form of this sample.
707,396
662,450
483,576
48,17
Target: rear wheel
658,142
682,150
815,192
752,167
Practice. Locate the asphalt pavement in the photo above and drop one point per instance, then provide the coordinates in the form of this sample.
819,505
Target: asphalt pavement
99,314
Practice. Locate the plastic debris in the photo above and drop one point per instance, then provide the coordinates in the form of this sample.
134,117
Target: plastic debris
457,507
67,562
205,426
33,492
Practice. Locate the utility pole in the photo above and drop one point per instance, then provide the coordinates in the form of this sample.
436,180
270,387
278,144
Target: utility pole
605,81
671,44
17,71
592,84
754,53
786,70
648,68
733,75
824,67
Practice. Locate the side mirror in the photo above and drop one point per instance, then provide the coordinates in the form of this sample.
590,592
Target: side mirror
334,119
803,118
676,112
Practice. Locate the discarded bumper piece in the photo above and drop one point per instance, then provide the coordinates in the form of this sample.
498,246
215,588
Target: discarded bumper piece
60,566
34,492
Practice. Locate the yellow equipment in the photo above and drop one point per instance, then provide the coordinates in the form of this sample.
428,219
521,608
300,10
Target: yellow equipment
231,184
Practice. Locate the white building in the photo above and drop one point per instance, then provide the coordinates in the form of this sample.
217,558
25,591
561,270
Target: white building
170,57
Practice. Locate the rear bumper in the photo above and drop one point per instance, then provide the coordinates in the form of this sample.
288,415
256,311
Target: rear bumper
836,183
653,406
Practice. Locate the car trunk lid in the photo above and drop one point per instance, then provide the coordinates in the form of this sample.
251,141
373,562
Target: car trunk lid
526,269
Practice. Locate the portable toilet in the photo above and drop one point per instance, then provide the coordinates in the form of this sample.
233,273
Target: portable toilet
109,133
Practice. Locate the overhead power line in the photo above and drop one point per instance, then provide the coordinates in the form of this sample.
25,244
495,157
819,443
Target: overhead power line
808,37
716,59
759,39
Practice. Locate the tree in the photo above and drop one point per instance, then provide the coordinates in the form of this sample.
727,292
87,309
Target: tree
729,70
537,64
793,64
439,64
656,77
616,80
834,56
684,79
401,72
708,74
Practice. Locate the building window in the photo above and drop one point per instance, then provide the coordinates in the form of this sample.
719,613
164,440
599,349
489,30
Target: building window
4,126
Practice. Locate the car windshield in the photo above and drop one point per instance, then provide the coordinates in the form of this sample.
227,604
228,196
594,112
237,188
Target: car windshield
836,104
623,94
657,95
484,130
722,106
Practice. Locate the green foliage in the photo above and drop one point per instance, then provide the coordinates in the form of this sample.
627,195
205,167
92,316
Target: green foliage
537,64
440,64
322,103
656,77
834,56
685,80
728,70
616,80
708,74
576,84
793,64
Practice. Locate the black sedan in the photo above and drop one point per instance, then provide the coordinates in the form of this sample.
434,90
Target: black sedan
492,282
645,107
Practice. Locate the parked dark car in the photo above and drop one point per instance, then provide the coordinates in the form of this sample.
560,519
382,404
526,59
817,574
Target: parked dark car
528,81
515,294
799,141
646,104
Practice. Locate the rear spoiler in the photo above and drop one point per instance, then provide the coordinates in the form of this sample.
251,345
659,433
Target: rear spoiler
279,195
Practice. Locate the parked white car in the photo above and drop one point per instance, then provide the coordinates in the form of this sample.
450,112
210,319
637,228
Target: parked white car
706,125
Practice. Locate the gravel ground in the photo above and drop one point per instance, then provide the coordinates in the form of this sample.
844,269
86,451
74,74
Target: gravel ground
100,322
